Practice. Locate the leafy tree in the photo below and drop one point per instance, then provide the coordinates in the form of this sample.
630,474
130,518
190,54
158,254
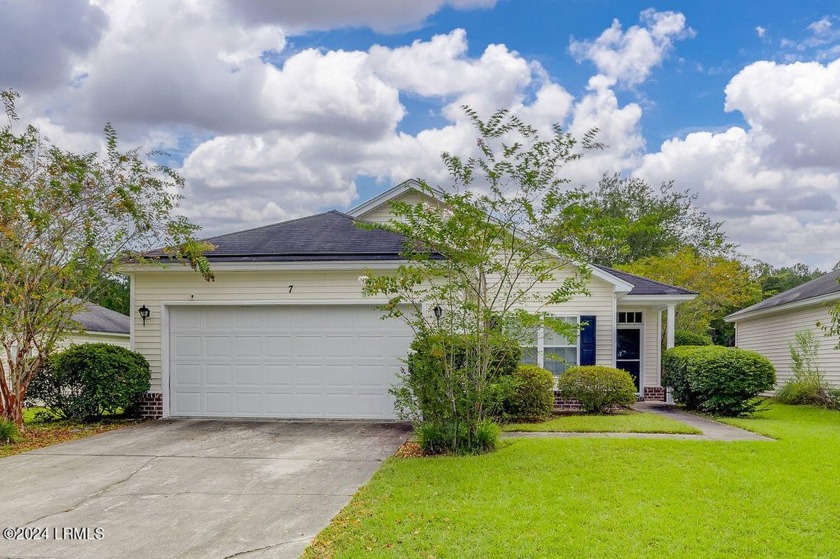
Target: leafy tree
778,280
483,255
66,221
625,219
112,292
724,286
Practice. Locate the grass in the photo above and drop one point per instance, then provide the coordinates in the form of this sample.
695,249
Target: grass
585,497
37,434
622,422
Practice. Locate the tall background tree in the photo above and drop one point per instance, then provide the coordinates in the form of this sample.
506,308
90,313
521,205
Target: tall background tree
625,219
66,222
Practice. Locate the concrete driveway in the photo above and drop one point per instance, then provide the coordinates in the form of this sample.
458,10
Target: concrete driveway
189,488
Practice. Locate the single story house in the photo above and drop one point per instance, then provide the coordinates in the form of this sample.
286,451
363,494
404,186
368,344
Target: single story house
769,327
284,330
100,325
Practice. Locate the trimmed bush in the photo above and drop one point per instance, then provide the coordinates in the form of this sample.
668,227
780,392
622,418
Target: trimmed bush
532,394
86,381
718,380
597,388
685,337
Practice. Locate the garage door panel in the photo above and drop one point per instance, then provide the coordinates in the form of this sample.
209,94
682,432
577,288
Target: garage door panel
248,346
275,374
262,361
249,375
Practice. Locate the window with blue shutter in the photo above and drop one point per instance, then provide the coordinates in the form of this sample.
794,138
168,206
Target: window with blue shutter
587,340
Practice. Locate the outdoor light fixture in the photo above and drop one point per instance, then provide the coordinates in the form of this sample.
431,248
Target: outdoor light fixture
438,313
144,313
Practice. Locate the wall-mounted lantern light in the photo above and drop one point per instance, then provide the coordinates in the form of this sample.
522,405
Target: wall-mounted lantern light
438,313
144,313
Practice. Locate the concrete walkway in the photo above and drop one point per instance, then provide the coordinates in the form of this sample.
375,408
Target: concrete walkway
711,430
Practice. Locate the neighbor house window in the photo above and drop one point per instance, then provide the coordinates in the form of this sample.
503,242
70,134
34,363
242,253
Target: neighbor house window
550,350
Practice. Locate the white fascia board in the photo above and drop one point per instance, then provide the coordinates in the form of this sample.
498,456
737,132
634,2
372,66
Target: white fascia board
813,301
664,299
619,284
270,266
107,334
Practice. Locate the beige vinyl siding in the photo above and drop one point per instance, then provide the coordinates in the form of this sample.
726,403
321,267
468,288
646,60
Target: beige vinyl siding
382,213
600,304
154,288
770,335
651,344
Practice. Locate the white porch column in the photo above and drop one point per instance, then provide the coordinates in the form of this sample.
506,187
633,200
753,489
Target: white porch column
669,328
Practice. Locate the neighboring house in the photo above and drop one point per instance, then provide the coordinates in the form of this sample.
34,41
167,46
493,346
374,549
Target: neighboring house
769,327
284,330
100,325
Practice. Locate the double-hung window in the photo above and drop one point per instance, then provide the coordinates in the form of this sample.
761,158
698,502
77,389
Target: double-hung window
551,350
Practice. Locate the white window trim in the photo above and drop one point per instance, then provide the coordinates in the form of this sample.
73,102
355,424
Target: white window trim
541,341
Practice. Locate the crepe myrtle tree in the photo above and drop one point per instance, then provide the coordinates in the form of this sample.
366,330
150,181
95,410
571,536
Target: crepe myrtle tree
67,221
482,252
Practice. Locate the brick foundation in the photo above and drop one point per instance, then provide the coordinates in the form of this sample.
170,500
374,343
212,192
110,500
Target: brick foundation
651,393
151,405
655,394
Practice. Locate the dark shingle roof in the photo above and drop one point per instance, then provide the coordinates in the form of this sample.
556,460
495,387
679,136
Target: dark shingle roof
94,318
823,285
644,286
328,236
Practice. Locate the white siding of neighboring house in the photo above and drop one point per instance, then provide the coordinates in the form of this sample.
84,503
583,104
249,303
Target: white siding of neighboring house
771,336
121,340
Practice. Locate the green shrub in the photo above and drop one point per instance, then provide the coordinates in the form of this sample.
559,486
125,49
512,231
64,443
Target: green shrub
436,438
718,380
8,432
685,337
806,384
832,398
86,381
597,388
532,395
440,394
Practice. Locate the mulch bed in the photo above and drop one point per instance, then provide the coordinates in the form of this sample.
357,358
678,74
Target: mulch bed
409,449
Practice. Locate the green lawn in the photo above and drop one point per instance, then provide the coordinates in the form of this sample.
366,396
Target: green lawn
623,422
583,497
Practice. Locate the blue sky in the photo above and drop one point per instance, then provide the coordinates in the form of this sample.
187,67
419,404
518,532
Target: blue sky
276,110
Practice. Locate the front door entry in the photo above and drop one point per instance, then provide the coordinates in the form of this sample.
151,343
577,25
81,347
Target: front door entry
628,352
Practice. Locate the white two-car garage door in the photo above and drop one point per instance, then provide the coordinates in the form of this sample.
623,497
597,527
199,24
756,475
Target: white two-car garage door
284,361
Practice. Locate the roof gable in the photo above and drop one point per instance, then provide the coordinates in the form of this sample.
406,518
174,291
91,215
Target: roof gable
645,286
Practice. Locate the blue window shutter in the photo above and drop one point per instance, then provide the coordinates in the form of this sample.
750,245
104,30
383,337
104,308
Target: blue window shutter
587,340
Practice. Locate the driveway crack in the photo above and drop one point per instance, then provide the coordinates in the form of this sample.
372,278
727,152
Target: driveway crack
95,495
266,548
